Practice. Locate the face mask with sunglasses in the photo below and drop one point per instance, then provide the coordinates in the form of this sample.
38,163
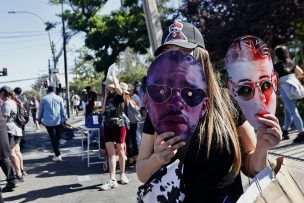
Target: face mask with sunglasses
162,93
246,91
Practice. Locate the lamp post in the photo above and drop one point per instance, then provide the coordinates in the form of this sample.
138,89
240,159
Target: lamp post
49,36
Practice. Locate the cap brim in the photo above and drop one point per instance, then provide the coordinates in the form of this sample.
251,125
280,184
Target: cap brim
180,43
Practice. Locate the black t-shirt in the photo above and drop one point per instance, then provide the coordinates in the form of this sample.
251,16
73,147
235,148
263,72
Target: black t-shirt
113,103
208,179
284,68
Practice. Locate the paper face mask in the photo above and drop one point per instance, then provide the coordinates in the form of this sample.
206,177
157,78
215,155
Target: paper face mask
252,80
176,98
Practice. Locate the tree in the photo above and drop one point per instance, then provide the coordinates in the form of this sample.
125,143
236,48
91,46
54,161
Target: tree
108,35
85,73
222,21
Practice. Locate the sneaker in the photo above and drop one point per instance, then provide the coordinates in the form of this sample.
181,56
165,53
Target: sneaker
109,185
57,158
299,138
62,142
285,135
24,173
124,179
20,178
9,187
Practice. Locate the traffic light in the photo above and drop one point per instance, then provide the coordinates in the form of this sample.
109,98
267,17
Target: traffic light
4,71
45,84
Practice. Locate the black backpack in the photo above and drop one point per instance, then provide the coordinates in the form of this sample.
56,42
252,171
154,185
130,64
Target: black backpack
22,117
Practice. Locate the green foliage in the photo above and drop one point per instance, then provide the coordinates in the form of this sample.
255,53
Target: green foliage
222,21
30,94
131,74
38,84
107,36
85,73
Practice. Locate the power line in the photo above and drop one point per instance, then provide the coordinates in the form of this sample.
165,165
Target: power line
20,80
21,36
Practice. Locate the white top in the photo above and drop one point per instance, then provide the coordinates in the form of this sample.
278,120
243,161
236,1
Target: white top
75,100
10,106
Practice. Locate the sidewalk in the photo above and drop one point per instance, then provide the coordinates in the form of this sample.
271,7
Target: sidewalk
68,181
71,181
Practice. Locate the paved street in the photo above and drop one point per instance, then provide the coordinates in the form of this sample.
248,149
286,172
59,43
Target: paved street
68,181
72,181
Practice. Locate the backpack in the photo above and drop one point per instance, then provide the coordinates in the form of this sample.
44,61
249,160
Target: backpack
22,117
134,114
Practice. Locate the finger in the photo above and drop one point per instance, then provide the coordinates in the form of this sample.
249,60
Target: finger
269,121
173,140
170,143
272,140
160,138
275,132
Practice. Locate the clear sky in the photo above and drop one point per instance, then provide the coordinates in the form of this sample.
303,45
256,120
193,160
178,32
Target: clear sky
24,43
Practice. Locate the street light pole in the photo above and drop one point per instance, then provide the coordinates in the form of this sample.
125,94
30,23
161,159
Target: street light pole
49,35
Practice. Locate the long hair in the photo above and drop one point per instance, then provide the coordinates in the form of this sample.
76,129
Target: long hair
219,127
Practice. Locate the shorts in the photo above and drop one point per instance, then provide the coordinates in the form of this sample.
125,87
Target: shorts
13,140
117,135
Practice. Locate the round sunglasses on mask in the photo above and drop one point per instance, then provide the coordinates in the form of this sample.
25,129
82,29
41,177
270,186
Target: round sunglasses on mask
247,90
162,93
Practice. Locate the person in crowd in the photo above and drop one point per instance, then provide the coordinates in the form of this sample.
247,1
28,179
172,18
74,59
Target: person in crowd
92,97
131,142
140,91
224,121
51,113
288,73
9,110
114,131
75,103
34,106
23,100
5,161
84,100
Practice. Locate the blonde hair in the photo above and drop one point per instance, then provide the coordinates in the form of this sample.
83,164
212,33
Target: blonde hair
219,127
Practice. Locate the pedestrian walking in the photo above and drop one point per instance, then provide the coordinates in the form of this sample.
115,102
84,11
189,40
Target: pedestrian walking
76,102
34,106
22,100
9,111
289,73
52,116
114,131
5,161
91,98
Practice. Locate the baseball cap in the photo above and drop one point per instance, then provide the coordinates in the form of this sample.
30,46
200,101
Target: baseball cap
124,87
7,91
181,34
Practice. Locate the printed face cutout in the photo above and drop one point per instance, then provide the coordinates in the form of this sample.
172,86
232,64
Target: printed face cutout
252,82
176,97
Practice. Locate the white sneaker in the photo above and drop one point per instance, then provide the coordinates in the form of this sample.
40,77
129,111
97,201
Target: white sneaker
57,158
109,185
62,142
124,179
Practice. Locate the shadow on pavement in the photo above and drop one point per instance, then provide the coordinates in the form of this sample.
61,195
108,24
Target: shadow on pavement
49,192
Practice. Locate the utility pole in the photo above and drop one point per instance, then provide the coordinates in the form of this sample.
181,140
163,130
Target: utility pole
50,71
67,89
153,23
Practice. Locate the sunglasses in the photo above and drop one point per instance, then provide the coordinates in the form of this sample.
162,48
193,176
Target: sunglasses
162,93
246,91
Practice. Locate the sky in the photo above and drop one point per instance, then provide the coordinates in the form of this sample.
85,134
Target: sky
24,43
